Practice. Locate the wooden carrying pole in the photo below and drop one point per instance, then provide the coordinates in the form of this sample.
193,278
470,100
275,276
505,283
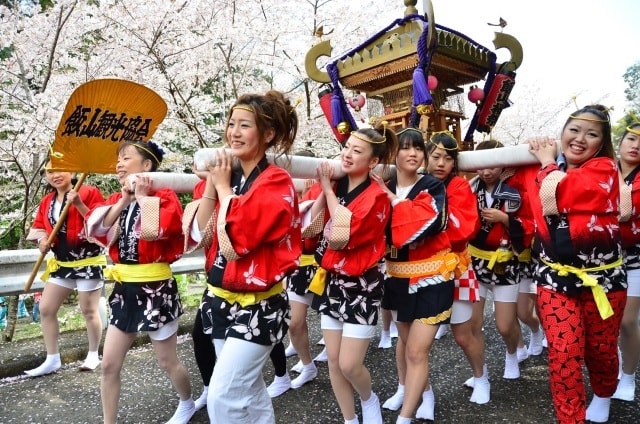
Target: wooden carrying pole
52,236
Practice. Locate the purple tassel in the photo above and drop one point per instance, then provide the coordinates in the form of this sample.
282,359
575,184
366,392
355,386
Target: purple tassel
336,110
421,95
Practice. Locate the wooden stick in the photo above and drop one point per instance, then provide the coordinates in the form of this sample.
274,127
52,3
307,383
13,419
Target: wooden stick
54,232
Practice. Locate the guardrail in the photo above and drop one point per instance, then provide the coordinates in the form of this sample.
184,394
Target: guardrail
16,267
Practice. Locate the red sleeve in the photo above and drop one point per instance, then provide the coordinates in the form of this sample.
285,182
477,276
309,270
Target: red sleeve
264,213
525,213
588,188
40,221
464,221
369,218
198,190
412,219
170,216
630,230
313,192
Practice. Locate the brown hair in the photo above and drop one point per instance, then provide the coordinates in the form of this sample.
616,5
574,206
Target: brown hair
272,111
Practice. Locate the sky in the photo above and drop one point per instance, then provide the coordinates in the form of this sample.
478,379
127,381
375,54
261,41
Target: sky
571,47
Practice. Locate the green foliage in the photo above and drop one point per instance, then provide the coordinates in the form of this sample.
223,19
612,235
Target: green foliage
6,52
10,238
46,5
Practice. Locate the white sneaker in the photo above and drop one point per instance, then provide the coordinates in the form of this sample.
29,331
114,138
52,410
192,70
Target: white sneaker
290,350
393,330
279,385
186,410
309,373
523,353
385,340
443,330
426,411
626,388
201,402
297,367
395,402
598,410
535,342
322,356
371,412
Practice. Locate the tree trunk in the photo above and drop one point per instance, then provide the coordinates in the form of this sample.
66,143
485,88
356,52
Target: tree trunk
12,318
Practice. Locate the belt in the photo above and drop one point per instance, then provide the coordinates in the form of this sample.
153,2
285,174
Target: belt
306,260
245,298
138,273
600,297
53,264
492,256
442,263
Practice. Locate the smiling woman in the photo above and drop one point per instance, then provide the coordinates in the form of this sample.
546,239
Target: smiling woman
141,228
248,223
575,200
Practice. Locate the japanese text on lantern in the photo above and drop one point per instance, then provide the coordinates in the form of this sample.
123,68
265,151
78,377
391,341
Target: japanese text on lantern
96,123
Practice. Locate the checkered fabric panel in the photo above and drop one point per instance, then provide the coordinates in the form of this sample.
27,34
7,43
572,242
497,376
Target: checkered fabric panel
548,192
150,218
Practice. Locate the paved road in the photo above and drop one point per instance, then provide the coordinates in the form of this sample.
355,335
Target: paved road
70,396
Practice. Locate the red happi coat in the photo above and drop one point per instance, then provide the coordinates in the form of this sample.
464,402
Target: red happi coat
630,218
198,190
462,225
577,221
263,228
464,221
363,220
418,223
165,242
309,244
76,235
518,180
520,229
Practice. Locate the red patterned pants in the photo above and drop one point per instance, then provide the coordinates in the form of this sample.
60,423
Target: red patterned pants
575,334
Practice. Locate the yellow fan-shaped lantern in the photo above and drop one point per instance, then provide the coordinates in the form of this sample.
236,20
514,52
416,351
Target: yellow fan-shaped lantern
100,115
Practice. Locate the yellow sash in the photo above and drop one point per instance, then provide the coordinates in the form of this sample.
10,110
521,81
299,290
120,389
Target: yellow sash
491,256
53,264
464,260
525,256
245,298
306,260
604,307
319,281
443,263
138,273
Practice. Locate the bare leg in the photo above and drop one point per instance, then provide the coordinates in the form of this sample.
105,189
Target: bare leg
116,345
167,358
299,331
88,301
418,347
53,296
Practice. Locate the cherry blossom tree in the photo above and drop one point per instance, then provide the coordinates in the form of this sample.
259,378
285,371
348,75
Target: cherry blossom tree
199,56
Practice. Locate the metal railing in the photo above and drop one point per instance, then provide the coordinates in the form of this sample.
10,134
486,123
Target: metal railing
16,267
